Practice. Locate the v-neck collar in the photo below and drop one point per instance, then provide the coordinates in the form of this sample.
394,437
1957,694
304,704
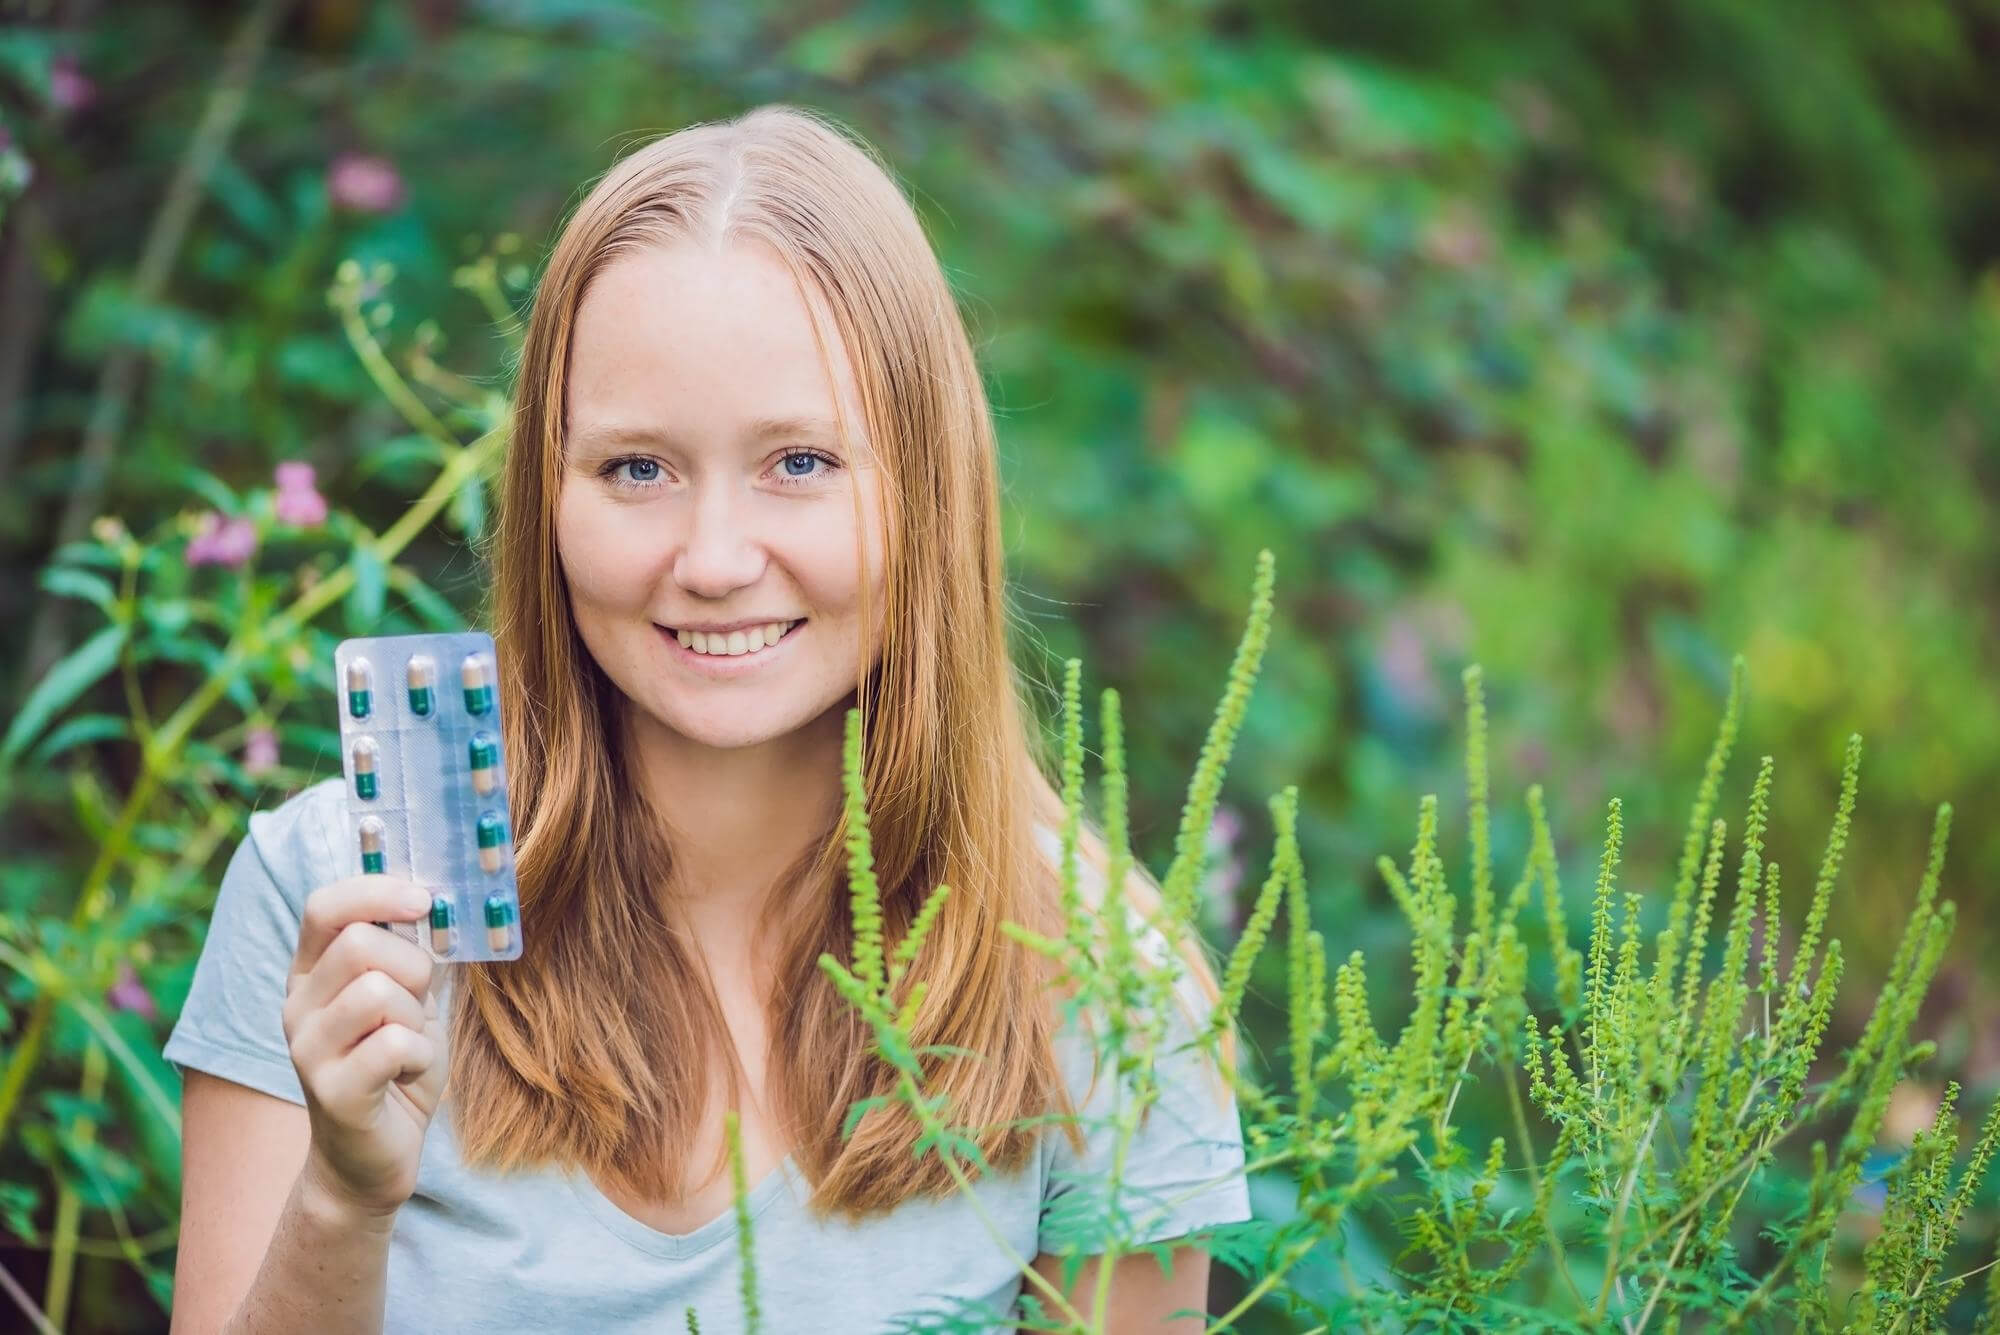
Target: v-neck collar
646,1238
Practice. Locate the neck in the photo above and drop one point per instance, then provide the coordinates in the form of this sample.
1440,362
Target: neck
737,818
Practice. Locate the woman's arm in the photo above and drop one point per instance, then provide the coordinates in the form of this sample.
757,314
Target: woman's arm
264,1245
1142,1296
287,1210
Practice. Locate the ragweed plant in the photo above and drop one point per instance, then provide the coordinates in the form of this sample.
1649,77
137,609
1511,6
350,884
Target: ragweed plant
1655,1080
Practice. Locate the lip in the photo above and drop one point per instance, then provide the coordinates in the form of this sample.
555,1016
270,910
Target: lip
722,665
728,627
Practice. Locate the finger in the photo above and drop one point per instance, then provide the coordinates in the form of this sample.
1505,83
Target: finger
369,1001
363,899
351,1086
359,947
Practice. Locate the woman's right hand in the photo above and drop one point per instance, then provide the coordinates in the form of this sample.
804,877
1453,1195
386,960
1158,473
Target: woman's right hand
366,1040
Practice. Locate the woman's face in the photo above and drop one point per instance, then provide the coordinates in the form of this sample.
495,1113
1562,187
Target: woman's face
704,484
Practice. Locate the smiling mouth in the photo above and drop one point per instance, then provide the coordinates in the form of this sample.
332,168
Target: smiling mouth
745,644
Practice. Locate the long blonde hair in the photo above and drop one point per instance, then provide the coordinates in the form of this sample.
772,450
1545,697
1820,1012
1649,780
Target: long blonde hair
589,1051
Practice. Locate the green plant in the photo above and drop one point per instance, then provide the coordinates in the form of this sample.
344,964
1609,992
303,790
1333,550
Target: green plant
1660,1083
235,606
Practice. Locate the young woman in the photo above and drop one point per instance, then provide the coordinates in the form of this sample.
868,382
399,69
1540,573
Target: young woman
751,483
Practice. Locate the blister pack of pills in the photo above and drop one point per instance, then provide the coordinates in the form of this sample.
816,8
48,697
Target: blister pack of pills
426,786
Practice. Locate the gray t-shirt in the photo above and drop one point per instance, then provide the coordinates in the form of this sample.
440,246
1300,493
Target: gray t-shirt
545,1250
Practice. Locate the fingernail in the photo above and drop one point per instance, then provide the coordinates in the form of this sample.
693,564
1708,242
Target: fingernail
419,900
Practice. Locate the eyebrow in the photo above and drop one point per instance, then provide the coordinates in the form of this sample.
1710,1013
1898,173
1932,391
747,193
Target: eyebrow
763,428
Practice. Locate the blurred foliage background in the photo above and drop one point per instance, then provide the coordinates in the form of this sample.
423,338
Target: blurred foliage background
1592,343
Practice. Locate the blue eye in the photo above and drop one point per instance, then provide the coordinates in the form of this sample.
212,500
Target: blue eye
793,477
644,472
635,472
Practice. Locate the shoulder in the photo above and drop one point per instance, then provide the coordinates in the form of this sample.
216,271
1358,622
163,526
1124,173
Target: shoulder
1145,935
1193,1003
296,845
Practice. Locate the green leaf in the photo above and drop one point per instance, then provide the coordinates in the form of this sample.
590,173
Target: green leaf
244,199
402,458
323,742
167,616
859,1110
79,731
364,600
64,683
468,508
67,582
430,605
86,554
211,488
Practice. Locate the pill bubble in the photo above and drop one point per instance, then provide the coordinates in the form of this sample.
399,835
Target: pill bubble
360,688
483,752
422,677
443,925
373,860
478,684
366,787
499,922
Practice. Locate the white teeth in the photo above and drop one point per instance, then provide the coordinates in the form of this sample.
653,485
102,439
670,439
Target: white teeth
736,642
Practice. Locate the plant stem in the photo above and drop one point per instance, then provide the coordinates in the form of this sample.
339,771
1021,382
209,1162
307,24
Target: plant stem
69,1209
1298,1253
1618,1216
1534,1186
13,1290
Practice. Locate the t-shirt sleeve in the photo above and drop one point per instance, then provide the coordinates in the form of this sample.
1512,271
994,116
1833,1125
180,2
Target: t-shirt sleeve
233,1025
1183,1166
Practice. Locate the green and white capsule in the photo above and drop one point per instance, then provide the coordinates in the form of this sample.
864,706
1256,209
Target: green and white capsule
421,675
360,688
499,922
478,683
484,752
444,925
366,786
492,842
373,860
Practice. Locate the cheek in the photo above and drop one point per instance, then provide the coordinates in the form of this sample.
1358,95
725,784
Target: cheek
605,558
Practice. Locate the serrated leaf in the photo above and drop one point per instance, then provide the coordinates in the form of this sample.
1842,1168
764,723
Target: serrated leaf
859,1110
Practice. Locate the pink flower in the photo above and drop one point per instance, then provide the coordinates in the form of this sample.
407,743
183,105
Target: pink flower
129,994
222,541
260,752
364,182
69,90
298,501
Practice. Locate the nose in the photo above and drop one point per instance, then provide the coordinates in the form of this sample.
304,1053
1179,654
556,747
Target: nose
720,554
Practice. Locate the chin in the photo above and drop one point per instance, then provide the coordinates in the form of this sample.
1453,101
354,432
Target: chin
723,730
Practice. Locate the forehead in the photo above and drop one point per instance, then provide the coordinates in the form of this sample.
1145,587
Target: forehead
703,343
